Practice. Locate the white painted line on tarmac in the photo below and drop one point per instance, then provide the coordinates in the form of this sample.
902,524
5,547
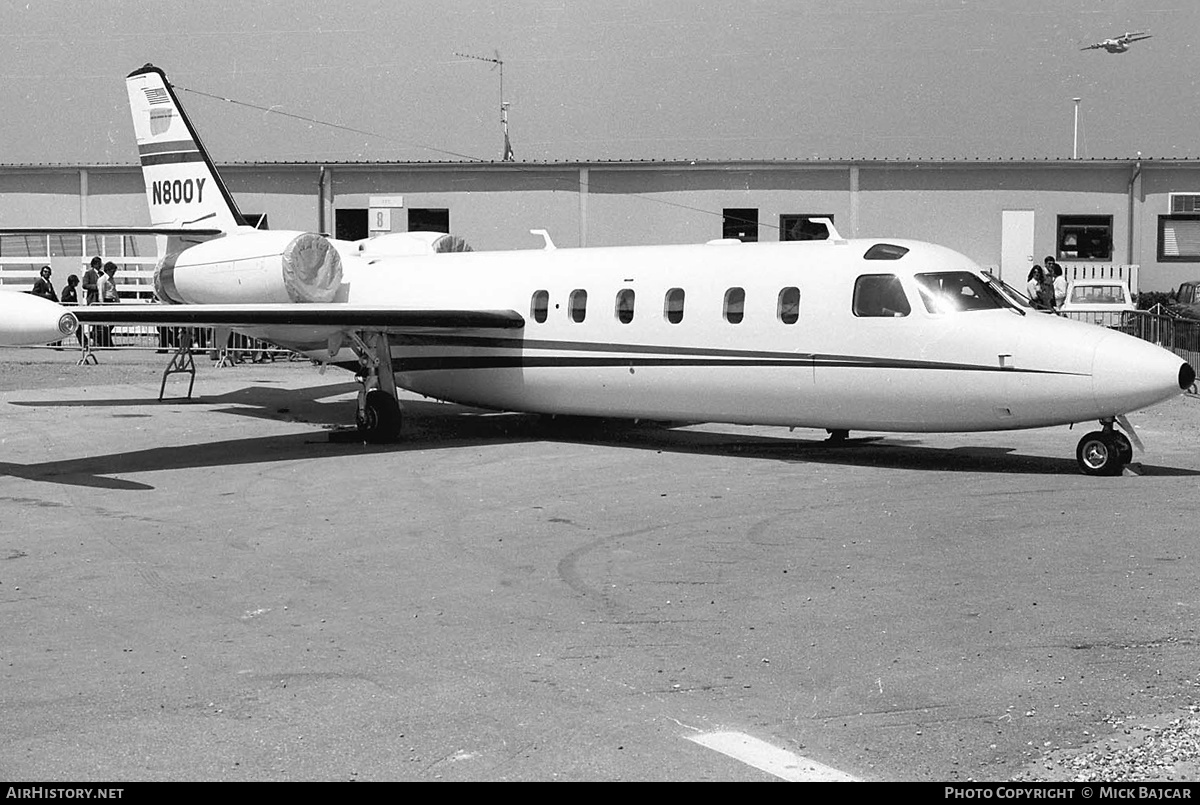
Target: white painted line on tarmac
771,759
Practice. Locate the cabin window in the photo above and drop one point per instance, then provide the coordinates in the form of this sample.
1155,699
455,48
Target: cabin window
625,305
885,251
953,291
1085,237
878,295
735,305
673,306
578,305
539,306
788,309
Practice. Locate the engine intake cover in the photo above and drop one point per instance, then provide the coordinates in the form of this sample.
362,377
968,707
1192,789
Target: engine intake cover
253,267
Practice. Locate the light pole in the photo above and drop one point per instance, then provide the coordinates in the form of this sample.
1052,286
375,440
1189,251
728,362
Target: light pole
1075,147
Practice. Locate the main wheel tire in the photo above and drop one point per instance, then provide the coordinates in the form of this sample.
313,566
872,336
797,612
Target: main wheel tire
1099,453
379,421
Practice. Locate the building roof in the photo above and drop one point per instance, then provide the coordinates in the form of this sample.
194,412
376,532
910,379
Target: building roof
651,163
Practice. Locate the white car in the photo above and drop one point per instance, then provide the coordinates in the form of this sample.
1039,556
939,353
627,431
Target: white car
1102,302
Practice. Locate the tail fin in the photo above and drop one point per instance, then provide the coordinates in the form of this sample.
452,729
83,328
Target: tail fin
183,188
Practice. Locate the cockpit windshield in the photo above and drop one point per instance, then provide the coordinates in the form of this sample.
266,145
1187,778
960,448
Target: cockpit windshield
956,291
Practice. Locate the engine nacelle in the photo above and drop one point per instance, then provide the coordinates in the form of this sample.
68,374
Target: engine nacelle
263,267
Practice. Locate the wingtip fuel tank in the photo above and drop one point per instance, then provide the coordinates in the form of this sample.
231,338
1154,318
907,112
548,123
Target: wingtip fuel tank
27,320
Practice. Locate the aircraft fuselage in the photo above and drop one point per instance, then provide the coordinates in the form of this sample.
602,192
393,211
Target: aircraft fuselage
701,333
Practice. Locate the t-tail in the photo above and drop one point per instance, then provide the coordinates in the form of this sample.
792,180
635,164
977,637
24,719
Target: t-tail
183,189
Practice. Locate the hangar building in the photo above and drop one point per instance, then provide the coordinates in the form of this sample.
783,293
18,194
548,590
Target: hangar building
1104,214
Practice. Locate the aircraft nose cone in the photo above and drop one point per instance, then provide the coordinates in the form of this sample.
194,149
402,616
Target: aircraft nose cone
1129,374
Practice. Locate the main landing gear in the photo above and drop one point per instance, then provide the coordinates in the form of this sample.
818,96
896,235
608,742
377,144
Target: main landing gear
378,416
1104,452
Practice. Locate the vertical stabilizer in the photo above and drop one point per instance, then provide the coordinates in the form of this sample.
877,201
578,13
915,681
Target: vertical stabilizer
182,186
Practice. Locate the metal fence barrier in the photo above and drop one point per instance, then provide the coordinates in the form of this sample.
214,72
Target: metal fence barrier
236,348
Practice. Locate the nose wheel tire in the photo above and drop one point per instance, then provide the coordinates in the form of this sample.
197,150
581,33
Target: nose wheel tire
1103,453
379,420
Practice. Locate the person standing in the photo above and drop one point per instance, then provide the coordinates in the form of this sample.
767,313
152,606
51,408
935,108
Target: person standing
108,284
70,296
42,286
106,292
1035,288
91,282
1060,287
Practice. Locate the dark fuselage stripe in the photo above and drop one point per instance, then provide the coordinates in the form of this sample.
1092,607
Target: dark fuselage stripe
441,363
653,355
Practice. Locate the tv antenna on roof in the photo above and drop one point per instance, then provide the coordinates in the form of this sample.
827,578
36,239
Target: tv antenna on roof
498,62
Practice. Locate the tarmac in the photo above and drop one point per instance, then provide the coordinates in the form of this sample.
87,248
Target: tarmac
232,587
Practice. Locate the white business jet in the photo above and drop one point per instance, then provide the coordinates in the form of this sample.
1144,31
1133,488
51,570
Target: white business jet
879,335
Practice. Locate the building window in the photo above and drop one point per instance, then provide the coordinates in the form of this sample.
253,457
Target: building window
802,227
1178,238
788,309
578,305
539,306
350,224
1085,237
741,223
625,305
1185,203
673,306
735,305
428,220
879,295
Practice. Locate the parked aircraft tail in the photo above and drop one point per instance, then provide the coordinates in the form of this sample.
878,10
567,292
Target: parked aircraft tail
183,188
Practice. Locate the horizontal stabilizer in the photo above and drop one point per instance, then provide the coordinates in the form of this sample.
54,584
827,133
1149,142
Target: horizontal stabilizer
108,230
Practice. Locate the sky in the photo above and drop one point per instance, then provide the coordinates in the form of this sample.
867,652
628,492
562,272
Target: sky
380,80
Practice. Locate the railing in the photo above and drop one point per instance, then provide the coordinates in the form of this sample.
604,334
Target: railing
22,257
1127,273
235,349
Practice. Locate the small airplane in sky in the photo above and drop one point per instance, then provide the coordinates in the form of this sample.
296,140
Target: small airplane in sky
864,334
1119,44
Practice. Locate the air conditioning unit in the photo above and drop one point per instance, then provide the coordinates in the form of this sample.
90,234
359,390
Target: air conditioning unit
1184,203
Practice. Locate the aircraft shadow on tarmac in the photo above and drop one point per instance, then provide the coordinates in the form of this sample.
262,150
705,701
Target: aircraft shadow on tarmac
443,426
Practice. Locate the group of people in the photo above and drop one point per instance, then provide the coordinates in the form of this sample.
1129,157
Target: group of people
99,285
1046,286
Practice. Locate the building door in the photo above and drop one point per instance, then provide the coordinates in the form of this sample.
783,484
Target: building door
1016,247
350,224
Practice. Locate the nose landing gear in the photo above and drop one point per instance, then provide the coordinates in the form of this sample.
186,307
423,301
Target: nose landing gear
1104,452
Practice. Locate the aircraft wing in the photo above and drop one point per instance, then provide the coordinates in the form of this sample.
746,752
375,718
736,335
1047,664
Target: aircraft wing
1096,46
332,315
109,230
